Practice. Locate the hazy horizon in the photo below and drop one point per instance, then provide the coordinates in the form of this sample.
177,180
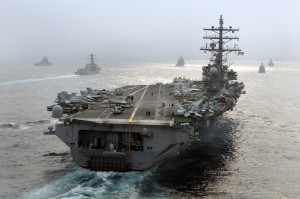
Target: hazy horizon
67,31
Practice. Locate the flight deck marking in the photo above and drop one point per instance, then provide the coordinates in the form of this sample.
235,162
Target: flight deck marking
131,89
137,90
134,111
157,102
164,108
109,114
102,113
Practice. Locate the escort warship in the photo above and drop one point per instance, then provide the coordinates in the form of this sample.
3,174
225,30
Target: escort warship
137,126
270,63
43,62
90,69
180,61
261,68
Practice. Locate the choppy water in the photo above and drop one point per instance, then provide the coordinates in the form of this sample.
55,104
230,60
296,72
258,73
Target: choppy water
252,152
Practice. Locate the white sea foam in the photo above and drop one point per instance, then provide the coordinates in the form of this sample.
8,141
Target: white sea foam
82,183
23,81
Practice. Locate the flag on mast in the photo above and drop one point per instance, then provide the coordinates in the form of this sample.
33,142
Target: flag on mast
240,53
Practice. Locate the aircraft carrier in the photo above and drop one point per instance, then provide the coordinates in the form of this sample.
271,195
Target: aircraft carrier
136,126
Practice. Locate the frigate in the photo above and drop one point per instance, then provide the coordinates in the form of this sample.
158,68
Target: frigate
90,69
43,62
180,61
137,126
270,63
261,68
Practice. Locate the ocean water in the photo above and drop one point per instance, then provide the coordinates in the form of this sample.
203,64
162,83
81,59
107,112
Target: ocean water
251,152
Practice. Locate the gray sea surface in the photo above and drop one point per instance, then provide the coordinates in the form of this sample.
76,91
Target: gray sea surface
251,152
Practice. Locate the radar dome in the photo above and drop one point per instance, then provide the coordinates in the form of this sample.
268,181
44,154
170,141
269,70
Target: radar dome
57,111
213,71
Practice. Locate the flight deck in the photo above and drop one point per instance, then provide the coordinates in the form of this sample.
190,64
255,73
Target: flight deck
153,104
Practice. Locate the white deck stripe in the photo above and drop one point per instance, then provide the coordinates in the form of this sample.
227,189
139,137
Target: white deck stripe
102,113
157,102
137,90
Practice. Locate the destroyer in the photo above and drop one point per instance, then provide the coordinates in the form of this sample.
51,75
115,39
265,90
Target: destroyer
261,68
180,61
90,69
137,126
270,63
43,62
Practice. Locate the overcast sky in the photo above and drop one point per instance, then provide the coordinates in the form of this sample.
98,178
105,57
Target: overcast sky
152,30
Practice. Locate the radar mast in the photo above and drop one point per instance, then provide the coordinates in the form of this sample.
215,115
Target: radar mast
216,73
92,57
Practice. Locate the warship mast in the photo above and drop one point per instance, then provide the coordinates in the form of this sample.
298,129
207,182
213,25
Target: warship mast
92,59
215,74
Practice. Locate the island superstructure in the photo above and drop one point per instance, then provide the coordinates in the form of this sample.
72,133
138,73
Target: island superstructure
136,126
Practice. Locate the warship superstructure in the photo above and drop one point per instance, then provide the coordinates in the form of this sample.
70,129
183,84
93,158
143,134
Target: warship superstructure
90,69
261,68
43,62
180,61
270,63
136,126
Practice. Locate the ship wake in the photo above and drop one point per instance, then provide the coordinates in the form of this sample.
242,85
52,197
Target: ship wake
24,81
190,173
26,125
193,171
82,183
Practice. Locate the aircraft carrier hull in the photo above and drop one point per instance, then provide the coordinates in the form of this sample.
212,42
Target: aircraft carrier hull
137,126
133,140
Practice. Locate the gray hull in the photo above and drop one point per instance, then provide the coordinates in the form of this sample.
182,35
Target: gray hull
90,149
138,126
87,72
101,140
144,134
